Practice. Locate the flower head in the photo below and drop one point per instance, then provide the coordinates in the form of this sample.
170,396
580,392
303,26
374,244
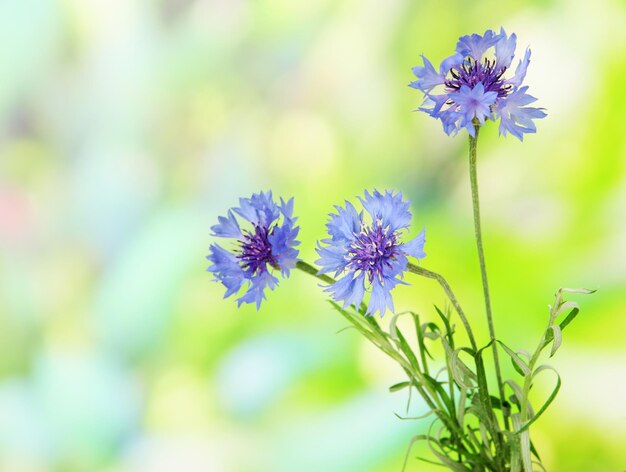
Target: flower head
267,246
364,248
470,86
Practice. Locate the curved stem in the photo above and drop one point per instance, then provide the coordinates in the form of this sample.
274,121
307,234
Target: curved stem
309,269
473,140
448,291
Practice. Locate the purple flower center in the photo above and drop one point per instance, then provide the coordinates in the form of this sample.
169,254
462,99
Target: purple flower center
470,72
256,251
373,249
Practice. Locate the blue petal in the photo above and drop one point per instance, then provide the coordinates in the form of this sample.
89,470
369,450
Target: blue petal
381,299
227,227
225,268
428,77
451,121
520,71
474,103
505,49
247,211
435,102
389,208
287,208
256,291
450,62
348,289
332,257
476,45
259,209
344,225
396,268
283,241
415,247
515,117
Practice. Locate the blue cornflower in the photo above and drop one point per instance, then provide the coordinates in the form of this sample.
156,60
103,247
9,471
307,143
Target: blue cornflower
469,88
366,251
269,245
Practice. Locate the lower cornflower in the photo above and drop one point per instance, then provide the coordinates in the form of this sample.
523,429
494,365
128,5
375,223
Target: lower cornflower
268,246
366,251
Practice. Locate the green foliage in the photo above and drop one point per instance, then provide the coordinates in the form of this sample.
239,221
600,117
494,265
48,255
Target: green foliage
466,434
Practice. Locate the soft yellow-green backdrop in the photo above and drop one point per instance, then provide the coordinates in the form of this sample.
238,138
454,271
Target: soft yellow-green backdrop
128,126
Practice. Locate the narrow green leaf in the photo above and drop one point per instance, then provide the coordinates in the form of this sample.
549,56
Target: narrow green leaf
451,464
449,331
550,399
406,349
423,350
434,330
442,394
534,451
516,455
524,442
399,386
586,291
556,333
359,323
414,439
538,463
480,351
565,306
568,319
462,374
520,366
516,398
394,321
421,417
461,412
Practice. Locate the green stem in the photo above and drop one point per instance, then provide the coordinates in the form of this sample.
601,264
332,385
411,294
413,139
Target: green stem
448,291
473,140
309,269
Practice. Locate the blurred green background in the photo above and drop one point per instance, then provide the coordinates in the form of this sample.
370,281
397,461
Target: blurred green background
128,126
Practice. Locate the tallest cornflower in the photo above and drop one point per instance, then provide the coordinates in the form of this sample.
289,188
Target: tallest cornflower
471,86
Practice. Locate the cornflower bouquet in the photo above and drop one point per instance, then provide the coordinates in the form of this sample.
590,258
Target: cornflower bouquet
473,426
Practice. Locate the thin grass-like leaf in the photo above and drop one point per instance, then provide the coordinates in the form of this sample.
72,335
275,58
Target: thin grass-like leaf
550,399
533,449
420,417
428,461
403,344
586,291
524,442
420,342
557,335
414,439
393,323
520,366
567,320
442,393
462,374
517,395
565,306
449,330
516,456
400,386
461,411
